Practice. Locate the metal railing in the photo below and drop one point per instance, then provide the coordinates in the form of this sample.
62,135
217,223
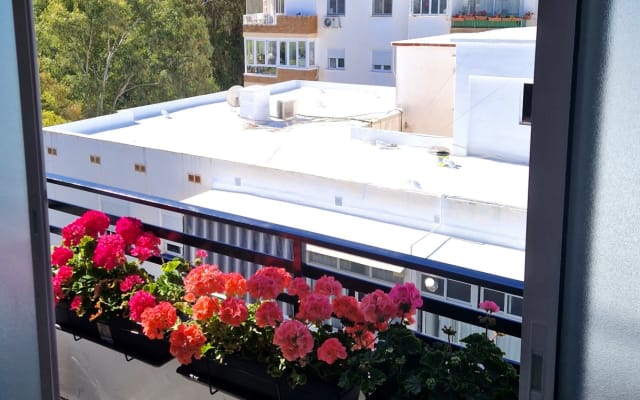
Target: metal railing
296,264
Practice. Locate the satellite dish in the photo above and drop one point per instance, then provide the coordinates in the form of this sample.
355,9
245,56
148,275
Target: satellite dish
327,22
233,95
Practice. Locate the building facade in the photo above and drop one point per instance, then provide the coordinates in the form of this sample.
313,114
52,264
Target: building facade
350,42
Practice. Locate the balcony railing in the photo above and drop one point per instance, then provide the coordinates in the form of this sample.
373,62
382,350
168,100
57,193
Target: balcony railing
295,260
259,19
475,22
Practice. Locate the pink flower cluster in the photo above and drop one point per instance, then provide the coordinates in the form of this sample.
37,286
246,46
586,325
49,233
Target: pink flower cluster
92,223
155,320
268,282
139,302
294,339
186,342
489,306
203,280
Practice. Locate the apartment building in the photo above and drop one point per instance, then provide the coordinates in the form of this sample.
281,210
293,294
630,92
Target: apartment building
350,42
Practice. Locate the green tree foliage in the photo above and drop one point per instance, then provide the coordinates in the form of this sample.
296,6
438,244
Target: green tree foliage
114,54
57,108
224,20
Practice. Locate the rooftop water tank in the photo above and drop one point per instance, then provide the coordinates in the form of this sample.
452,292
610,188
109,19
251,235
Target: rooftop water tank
254,103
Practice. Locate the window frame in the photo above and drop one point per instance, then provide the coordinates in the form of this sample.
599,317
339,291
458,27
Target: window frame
385,10
441,7
340,8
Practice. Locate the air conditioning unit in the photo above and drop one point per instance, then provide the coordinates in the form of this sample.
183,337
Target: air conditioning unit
332,22
286,109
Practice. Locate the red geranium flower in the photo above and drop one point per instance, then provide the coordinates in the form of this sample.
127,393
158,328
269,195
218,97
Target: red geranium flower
233,311
186,342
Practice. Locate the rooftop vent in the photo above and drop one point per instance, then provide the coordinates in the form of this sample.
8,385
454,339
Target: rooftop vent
254,103
286,109
233,95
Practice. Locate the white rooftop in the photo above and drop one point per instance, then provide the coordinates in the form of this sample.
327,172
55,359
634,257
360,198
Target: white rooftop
494,36
388,180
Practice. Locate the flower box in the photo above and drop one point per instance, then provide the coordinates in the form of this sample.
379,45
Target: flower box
117,334
249,379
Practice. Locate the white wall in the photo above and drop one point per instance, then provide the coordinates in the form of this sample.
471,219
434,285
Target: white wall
359,34
514,59
496,119
427,25
425,88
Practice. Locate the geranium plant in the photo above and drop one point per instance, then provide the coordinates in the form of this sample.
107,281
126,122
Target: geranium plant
97,271
213,319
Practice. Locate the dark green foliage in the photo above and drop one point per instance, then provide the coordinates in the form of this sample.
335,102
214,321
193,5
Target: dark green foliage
402,368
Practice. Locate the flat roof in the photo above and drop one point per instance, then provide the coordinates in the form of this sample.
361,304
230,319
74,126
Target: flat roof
327,139
526,35
432,245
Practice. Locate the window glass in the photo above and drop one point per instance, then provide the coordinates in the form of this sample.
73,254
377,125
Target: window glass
433,284
527,94
458,291
302,54
292,53
382,7
312,54
335,7
515,305
260,52
283,53
388,276
272,49
495,296
354,267
249,55
322,259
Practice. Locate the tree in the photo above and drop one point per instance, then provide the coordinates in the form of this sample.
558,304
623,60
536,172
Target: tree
56,106
225,32
115,54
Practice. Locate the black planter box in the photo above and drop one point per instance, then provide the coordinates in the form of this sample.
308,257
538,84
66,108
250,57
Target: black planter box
118,334
248,379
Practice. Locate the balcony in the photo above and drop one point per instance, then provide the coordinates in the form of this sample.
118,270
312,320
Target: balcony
280,24
470,23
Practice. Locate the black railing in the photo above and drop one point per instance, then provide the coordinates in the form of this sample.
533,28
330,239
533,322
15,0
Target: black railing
300,238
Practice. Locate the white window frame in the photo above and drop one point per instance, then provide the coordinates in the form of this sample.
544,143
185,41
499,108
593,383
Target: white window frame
300,60
381,11
335,56
441,6
338,9
382,60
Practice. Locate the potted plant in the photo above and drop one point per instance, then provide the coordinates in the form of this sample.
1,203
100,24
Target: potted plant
94,275
403,367
217,335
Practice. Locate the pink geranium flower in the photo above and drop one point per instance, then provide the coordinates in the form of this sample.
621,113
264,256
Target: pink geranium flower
129,282
204,280
109,252
145,246
61,255
186,342
294,340
328,286
233,311
332,350
129,228
489,306
268,314
315,308
139,302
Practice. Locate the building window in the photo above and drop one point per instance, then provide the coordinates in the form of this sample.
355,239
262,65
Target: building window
458,291
193,178
381,60
335,7
279,6
429,7
527,94
52,151
262,56
382,7
335,58
140,168
95,159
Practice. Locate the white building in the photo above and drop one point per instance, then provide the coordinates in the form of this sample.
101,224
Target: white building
475,87
344,41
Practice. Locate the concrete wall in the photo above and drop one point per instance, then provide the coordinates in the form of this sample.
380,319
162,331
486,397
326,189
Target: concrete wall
496,119
425,88
359,34
492,59
427,25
